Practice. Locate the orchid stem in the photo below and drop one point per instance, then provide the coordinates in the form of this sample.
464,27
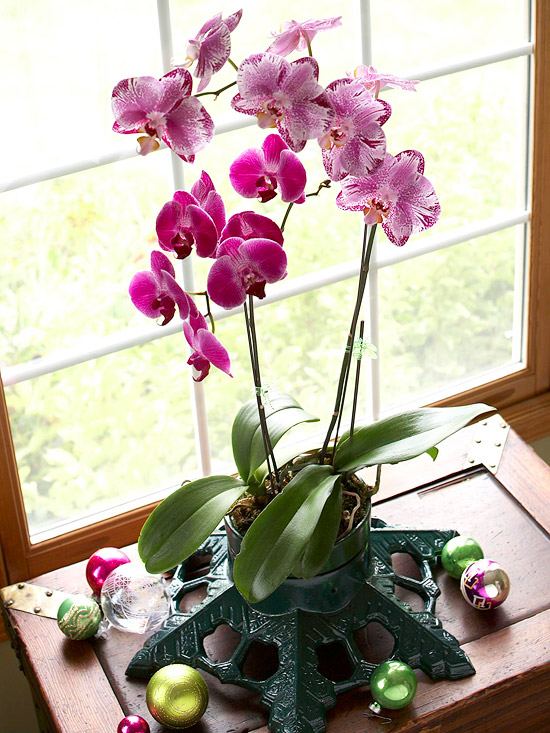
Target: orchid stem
217,93
285,217
357,375
233,64
342,382
253,346
309,50
208,313
324,184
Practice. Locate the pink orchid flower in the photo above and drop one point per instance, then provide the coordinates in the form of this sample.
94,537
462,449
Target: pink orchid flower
244,267
257,173
211,47
207,349
157,293
298,35
355,142
164,110
195,218
374,81
284,95
396,195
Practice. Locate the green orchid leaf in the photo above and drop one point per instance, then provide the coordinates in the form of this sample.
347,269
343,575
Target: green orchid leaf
322,540
185,519
278,537
282,414
401,437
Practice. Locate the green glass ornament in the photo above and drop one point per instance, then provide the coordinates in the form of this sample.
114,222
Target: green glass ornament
79,617
458,553
393,684
177,696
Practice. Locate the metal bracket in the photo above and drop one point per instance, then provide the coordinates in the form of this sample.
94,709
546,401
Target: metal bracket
33,599
488,443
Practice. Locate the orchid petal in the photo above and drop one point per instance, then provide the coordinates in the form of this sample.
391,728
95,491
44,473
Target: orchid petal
272,148
131,100
203,230
209,347
269,258
224,283
189,128
161,263
246,170
144,292
248,224
291,176
167,223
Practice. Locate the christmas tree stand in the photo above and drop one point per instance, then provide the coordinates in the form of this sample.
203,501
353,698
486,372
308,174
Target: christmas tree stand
303,617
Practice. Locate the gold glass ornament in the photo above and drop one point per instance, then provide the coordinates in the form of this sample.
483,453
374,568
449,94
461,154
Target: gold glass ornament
177,696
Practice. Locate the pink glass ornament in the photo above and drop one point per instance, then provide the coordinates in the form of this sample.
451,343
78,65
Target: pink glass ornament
133,724
101,564
485,584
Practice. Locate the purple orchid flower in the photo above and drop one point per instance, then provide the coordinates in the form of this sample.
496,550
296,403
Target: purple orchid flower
284,95
163,109
211,47
257,173
374,81
244,267
300,35
396,195
355,142
157,293
195,218
248,224
207,349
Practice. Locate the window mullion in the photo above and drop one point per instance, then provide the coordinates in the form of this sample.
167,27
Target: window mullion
197,389
371,294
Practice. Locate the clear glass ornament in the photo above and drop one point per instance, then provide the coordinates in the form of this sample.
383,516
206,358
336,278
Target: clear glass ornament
133,600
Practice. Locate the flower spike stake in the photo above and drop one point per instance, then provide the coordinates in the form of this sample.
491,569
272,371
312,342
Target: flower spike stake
297,562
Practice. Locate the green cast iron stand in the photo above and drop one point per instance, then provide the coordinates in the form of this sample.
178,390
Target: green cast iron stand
305,615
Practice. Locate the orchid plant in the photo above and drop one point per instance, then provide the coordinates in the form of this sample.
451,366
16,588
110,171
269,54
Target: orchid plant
295,505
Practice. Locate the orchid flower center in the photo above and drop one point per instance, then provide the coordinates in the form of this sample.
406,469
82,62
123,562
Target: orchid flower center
182,243
157,122
336,137
166,307
266,186
271,112
376,210
252,283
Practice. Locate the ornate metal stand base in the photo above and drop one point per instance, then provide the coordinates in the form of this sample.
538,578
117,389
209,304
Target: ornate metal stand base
297,694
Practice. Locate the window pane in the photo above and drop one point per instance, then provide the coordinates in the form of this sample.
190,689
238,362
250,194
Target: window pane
97,435
471,131
448,316
70,248
64,60
408,36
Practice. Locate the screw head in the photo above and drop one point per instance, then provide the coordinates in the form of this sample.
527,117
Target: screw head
37,609
49,593
9,603
20,585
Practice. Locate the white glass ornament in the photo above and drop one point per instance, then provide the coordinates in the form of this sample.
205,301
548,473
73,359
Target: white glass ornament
133,600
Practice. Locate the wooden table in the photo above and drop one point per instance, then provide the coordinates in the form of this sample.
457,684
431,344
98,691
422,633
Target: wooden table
81,686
